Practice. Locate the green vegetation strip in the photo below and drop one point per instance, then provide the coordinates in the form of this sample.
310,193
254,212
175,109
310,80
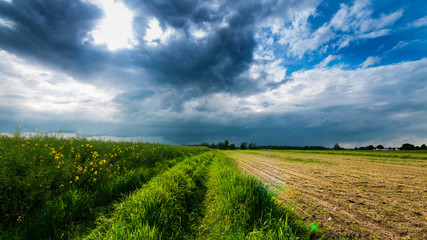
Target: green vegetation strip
383,154
203,197
52,187
163,209
239,206
56,188
393,155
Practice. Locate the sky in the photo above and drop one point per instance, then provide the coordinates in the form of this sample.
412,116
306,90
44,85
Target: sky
272,72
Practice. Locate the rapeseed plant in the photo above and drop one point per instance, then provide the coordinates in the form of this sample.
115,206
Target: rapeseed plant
36,171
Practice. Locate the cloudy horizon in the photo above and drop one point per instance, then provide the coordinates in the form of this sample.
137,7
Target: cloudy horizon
272,72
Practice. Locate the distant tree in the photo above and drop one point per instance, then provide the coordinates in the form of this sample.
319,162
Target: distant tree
220,145
205,144
213,145
423,147
380,147
371,147
337,146
252,146
225,144
407,146
232,146
244,145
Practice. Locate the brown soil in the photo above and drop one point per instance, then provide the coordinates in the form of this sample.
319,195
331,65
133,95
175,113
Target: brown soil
360,197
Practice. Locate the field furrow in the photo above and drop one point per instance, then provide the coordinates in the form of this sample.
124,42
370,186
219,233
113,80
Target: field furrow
353,196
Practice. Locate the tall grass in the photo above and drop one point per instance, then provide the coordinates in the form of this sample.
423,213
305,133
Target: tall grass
164,209
204,197
56,188
50,185
240,207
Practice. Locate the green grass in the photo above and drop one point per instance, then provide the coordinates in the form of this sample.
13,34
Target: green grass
166,208
239,206
49,186
203,197
392,155
274,154
56,188
383,154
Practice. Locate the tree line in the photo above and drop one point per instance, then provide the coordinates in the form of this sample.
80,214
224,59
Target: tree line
226,145
252,146
405,146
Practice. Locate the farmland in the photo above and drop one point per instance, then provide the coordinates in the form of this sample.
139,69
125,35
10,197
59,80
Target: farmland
74,188
355,194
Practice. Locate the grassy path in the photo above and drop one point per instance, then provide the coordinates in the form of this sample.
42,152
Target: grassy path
203,197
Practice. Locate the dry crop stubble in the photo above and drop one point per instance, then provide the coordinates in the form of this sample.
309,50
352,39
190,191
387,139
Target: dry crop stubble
358,196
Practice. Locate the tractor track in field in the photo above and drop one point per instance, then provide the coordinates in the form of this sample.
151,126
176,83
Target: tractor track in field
346,197
266,171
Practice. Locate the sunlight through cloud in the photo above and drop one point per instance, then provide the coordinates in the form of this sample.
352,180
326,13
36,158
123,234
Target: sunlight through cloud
115,29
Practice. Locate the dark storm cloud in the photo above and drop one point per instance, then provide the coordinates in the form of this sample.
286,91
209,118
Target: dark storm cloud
214,63
51,32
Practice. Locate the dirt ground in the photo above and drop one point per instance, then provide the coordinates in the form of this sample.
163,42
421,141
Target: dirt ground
358,197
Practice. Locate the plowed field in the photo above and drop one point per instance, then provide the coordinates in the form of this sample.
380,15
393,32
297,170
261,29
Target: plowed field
356,195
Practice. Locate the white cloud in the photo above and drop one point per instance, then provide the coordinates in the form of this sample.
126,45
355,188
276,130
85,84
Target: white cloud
267,71
34,89
151,139
155,35
400,45
348,24
200,31
6,23
313,94
370,61
421,22
357,18
327,60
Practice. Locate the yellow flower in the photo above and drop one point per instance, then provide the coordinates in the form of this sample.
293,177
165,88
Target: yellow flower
62,185
19,219
96,172
70,182
95,155
77,178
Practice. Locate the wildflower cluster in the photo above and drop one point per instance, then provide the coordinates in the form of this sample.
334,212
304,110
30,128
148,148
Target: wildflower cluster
35,169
